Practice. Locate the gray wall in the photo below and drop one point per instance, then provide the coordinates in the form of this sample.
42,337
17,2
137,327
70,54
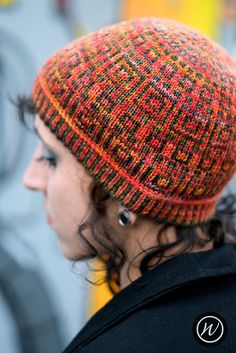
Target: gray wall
29,33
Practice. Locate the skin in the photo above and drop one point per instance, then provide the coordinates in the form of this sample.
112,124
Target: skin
66,185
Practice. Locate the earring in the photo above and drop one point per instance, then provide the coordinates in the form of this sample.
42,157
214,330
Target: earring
124,218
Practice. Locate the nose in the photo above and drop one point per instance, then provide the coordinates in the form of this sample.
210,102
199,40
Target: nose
35,177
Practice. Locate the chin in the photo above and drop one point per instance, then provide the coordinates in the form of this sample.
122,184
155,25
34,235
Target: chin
71,255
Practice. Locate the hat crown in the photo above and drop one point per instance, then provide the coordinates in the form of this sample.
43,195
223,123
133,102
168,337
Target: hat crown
148,107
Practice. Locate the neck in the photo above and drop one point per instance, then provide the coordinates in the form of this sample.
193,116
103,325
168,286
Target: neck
134,272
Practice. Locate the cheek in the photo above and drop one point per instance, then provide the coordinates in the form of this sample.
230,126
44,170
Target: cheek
67,200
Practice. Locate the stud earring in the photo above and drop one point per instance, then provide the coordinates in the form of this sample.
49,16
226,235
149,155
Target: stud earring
124,218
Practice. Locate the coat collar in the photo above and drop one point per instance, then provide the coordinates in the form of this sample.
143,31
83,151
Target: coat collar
164,278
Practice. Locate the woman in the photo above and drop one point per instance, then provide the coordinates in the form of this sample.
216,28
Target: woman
138,141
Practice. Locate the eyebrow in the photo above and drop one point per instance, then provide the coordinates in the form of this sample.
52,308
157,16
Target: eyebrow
40,137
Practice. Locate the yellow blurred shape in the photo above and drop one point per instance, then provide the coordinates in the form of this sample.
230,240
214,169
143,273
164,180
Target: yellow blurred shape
100,294
203,15
6,3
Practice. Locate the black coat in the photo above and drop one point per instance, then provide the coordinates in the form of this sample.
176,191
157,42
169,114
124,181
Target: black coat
167,309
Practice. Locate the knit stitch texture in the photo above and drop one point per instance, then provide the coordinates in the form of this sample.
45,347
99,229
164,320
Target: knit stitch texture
148,107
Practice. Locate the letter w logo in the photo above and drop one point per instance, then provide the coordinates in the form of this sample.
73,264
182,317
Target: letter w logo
209,329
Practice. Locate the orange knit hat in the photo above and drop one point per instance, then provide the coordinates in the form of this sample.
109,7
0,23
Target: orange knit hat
148,106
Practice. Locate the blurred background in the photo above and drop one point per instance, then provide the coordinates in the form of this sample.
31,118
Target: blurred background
43,301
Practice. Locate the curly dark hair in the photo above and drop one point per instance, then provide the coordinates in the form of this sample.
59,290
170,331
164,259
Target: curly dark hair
220,229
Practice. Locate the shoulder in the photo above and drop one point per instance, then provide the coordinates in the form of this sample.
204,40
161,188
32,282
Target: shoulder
167,323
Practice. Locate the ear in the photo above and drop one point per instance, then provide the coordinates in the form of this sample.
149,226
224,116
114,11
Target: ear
133,216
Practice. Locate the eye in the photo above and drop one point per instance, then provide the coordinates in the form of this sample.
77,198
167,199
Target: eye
48,158
51,161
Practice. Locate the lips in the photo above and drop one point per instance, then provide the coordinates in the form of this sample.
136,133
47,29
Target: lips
49,220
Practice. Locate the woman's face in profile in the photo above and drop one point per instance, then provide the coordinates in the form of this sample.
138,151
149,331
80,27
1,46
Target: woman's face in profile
65,184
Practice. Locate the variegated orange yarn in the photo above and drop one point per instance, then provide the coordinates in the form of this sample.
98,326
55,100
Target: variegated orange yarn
148,106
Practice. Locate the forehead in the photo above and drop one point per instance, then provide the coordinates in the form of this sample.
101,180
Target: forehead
45,134
69,160
40,126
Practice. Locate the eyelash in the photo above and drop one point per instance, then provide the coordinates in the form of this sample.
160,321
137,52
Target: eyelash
48,160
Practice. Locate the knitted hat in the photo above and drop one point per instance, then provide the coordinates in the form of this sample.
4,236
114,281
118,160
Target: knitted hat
148,107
